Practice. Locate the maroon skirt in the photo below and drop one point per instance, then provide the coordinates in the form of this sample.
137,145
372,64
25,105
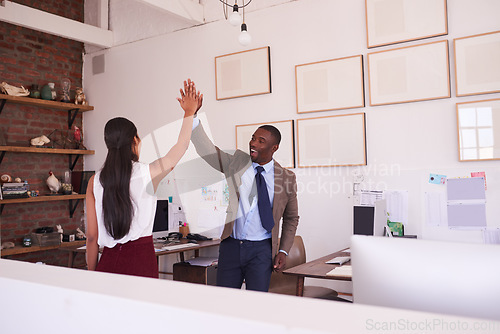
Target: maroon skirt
135,258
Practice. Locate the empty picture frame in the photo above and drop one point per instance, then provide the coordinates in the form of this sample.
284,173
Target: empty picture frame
243,73
332,141
477,65
330,85
478,125
409,74
285,155
396,21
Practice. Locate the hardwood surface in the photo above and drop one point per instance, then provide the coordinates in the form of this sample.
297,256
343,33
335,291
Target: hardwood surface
42,199
196,247
316,269
32,149
23,250
45,103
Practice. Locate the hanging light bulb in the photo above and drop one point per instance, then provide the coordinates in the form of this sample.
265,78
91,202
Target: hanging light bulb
244,37
235,17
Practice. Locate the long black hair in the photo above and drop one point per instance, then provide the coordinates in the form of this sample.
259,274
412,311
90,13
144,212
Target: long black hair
119,134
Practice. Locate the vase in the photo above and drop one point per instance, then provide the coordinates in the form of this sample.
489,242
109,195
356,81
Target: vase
34,92
46,92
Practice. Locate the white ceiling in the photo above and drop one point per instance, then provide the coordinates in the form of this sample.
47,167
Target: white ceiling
132,20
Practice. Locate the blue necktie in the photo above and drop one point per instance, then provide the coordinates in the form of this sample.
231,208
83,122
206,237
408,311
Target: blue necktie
265,210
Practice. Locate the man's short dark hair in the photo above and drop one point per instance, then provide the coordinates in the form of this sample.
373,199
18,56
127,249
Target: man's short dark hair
275,133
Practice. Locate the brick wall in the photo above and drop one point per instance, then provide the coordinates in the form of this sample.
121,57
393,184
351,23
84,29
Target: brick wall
30,57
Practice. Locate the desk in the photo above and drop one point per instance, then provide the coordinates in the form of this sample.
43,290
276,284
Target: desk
316,269
196,247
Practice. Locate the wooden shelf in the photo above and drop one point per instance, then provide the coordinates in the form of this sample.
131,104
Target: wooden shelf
31,149
45,103
24,250
42,199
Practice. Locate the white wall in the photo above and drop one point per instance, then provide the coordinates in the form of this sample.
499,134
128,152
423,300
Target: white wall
405,142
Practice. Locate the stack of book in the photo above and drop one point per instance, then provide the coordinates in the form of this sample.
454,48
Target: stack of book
15,190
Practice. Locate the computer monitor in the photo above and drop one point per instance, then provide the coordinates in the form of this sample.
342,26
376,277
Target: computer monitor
370,220
160,225
442,277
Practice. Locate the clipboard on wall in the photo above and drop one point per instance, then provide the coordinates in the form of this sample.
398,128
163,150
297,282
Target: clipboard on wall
466,203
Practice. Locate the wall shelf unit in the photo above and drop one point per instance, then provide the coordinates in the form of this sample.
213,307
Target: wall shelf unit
69,152
71,108
23,250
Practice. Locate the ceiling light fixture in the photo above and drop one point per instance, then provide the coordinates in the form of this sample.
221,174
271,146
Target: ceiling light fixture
236,19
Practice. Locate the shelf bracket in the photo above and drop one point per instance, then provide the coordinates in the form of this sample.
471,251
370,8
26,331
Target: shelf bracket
1,156
1,208
72,207
72,163
71,116
2,104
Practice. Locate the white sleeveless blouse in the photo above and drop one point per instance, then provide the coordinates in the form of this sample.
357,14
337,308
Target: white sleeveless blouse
143,201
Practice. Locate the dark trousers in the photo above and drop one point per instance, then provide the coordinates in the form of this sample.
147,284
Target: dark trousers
250,261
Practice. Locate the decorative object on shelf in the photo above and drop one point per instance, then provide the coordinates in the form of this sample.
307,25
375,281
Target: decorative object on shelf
13,90
77,134
65,139
46,92
7,245
27,241
34,92
60,231
235,19
66,188
66,85
5,178
18,180
12,190
80,235
80,96
40,141
53,183
53,90
33,193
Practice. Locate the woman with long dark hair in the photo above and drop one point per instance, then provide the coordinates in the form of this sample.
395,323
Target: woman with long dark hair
121,197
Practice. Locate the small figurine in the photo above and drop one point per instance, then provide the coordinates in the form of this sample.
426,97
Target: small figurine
80,96
53,183
6,178
40,141
79,234
77,133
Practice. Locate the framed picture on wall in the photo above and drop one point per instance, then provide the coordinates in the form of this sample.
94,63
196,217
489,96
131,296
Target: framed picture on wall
409,74
477,64
285,155
396,21
332,141
243,73
478,125
330,85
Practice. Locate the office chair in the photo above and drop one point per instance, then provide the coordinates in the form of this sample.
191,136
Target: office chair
286,284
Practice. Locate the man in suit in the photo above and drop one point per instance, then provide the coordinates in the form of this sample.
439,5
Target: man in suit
261,193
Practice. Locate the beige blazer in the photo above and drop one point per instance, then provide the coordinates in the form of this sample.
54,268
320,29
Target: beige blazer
233,166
